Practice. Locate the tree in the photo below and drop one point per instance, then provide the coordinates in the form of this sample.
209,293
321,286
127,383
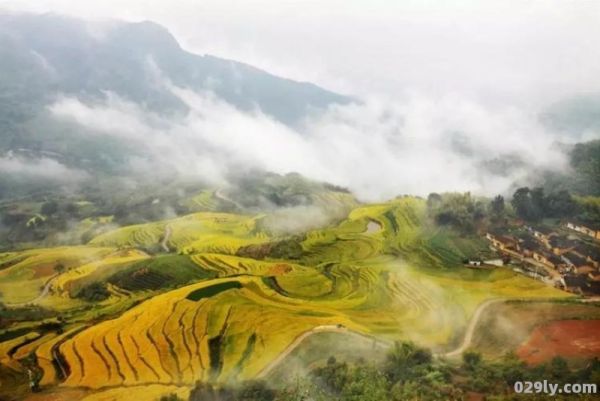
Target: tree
207,392
59,268
558,369
561,204
524,205
585,160
71,209
460,211
366,383
170,397
538,201
332,376
287,249
405,361
471,361
512,369
94,292
255,390
49,208
433,200
497,206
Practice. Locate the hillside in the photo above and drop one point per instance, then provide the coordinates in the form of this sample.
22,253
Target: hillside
46,59
177,226
47,55
208,309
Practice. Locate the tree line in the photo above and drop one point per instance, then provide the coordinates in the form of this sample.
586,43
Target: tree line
408,373
467,214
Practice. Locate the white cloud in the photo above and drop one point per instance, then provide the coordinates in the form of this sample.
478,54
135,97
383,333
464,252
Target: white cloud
39,168
498,50
377,149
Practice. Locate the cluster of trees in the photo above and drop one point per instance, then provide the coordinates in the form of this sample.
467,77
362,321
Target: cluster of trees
94,292
461,211
11,315
409,373
465,213
289,248
589,208
583,176
534,204
255,390
585,160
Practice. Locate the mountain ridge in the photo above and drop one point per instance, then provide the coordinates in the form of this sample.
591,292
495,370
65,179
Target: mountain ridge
77,57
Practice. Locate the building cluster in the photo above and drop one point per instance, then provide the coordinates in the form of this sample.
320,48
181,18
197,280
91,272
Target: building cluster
570,261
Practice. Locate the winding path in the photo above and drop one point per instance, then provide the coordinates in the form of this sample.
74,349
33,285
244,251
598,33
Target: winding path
319,329
468,338
220,195
465,344
42,295
163,243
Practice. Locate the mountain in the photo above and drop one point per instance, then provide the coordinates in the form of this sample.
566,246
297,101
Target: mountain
45,58
576,115
43,55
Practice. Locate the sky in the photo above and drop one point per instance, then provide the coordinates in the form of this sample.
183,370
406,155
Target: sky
446,88
498,51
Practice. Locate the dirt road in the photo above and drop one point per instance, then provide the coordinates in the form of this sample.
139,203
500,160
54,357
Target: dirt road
319,329
219,194
468,338
465,344
42,295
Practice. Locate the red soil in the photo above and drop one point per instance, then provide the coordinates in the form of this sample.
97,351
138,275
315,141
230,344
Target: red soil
566,338
44,270
280,269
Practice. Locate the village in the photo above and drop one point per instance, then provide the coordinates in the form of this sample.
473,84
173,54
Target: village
566,256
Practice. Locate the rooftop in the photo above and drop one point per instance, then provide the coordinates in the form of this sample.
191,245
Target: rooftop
576,260
529,244
543,229
588,250
594,225
562,243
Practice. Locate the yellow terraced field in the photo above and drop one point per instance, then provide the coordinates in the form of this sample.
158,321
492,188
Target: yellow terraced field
23,280
99,268
231,317
235,333
198,232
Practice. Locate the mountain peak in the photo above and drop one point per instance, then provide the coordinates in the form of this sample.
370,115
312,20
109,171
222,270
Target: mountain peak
86,59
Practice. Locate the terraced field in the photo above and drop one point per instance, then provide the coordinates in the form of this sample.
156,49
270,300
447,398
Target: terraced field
199,232
23,274
211,315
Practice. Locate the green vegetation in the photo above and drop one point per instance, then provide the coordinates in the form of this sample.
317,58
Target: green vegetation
385,272
534,204
94,292
459,211
408,372
582,177
162,271
287,249
207,292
